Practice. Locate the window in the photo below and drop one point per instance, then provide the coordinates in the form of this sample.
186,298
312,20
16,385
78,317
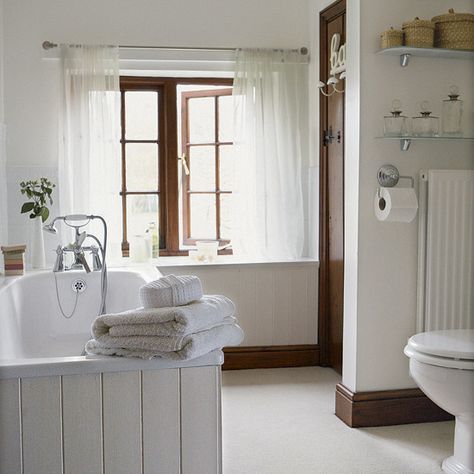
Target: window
188,198
207,144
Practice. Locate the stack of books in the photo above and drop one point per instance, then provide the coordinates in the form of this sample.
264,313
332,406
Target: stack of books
14,259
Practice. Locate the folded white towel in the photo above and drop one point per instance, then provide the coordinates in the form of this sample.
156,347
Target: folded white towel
152,342
189,347
209,311
171,290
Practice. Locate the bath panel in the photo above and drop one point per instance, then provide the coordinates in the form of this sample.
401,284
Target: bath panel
41,425
199,398
277,303
10,427
82,422
149,421
122,422
161,407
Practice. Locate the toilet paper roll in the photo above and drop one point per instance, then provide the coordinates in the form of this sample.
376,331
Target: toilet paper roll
396,204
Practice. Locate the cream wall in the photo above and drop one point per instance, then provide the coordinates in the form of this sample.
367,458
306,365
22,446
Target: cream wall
381,258
3,188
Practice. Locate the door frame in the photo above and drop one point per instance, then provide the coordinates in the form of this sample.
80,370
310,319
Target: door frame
325,16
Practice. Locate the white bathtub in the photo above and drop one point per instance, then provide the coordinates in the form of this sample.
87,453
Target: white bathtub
64,413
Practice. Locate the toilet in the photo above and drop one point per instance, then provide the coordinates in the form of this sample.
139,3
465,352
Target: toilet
442,365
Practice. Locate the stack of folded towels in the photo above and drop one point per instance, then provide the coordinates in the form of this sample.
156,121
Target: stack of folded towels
176,322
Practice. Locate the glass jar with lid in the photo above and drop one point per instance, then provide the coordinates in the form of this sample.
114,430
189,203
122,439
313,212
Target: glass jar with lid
395,125
425,125
451,118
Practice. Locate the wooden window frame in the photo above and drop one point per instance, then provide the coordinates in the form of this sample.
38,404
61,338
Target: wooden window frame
168,189
186,147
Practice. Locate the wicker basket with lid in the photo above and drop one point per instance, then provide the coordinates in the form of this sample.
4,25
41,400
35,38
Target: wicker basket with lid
391,38
454,30
419,33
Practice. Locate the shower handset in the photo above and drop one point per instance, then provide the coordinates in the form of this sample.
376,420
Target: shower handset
78,217
70,219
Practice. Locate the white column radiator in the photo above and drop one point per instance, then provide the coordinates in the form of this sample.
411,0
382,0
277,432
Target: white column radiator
446,250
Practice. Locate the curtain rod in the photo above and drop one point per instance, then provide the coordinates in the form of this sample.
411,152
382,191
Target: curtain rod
50,45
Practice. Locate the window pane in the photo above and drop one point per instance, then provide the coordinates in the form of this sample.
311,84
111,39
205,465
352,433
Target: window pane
201,120
142,166
202,164
141,210
141,115
226,119
203,216
226,167
226,216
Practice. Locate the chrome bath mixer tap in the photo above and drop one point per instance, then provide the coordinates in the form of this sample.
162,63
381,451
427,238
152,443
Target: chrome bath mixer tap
76,248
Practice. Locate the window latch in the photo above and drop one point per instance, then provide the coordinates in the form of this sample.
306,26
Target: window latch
184,163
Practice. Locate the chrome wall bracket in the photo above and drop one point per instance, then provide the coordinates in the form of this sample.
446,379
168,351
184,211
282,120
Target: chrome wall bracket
388,176
404,59
405,144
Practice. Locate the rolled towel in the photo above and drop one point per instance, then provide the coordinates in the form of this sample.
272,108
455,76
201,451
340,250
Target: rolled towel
189,347
209,311
171,290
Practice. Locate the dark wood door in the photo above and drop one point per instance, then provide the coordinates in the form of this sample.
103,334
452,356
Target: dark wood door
331,285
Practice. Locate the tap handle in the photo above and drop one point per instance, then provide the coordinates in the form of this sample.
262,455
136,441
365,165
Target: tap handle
82,259
59,264
96,263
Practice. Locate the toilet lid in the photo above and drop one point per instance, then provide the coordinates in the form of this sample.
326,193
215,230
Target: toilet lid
449,343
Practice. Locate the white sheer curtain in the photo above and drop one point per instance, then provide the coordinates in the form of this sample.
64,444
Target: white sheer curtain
270,95
89,155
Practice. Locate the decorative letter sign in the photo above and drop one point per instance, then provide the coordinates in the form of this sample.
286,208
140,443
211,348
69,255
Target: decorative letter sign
338,55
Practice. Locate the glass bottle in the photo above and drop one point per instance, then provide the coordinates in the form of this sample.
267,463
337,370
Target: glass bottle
425,125
451,123
155,241
395,125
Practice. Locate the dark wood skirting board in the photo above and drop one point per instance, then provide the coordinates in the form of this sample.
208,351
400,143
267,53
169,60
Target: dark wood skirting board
384,408
266,357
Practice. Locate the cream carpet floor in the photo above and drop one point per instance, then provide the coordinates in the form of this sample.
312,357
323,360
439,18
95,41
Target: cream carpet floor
281,421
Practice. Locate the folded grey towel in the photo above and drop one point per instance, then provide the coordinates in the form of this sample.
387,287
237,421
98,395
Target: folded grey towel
188,347
209,311
171,290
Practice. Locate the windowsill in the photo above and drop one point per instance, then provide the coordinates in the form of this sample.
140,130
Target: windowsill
226,260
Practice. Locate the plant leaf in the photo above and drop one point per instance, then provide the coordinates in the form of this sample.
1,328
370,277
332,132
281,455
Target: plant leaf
27,207
44,213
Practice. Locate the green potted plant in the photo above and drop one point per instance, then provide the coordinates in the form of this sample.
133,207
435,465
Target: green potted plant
39,193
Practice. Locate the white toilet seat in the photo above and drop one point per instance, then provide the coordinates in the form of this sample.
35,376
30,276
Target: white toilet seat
442,365
452,348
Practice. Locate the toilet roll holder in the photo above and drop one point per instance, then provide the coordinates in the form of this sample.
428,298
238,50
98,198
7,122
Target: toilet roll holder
388,177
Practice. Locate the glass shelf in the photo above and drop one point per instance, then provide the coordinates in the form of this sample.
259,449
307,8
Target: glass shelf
406,52
405,141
